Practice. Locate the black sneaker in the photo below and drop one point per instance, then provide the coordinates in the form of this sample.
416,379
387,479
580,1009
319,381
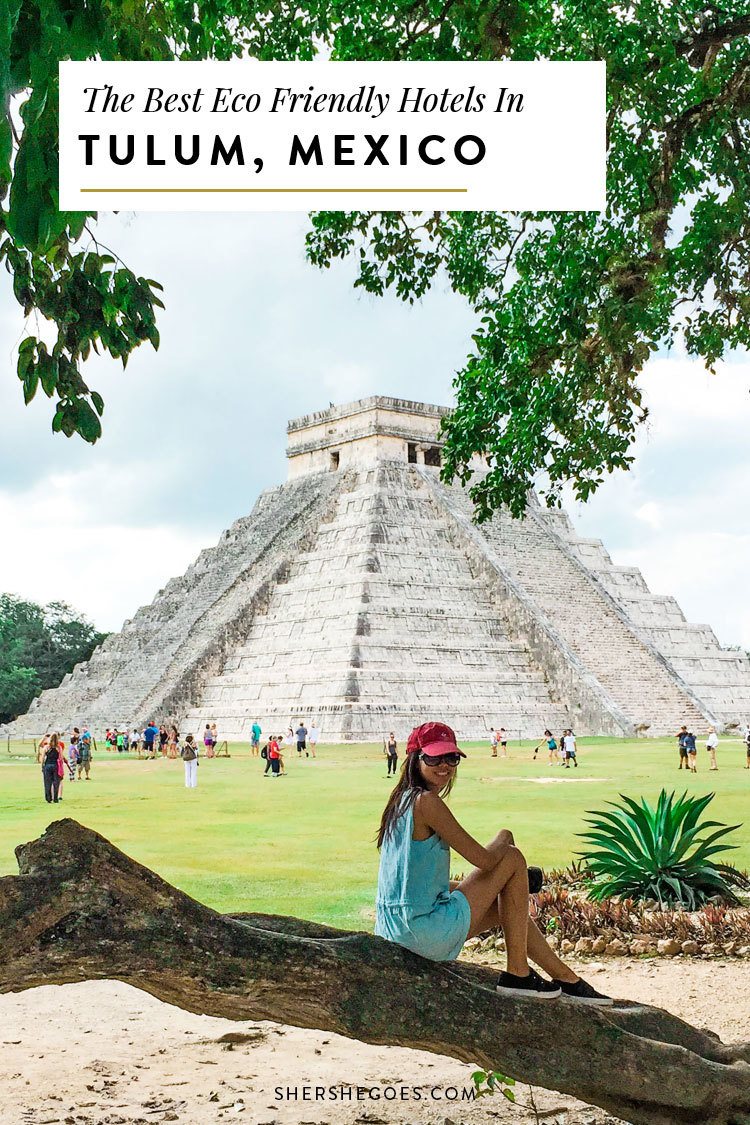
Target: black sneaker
583,992
533,986
536,880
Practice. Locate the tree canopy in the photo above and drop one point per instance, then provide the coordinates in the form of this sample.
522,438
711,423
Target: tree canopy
569,307
38,646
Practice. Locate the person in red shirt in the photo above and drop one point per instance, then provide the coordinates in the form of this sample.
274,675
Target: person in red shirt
274,756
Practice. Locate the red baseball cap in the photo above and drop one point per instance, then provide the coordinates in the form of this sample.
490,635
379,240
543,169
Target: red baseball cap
433,739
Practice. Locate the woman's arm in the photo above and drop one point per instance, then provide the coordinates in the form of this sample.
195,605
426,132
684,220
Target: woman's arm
432,812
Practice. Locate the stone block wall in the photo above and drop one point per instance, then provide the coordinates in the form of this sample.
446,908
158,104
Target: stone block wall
156,665
380,624
367,600
719,677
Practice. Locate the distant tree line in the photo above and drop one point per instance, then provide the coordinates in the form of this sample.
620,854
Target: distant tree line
39,645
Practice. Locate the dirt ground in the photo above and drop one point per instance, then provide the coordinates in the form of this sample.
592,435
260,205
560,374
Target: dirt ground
103,1053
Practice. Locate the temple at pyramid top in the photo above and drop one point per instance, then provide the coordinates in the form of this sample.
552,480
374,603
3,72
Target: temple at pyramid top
360,433
360,595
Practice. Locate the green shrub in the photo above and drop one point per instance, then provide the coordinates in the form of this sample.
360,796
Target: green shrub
639,852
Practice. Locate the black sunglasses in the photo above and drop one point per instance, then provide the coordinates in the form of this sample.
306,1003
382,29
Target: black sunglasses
451,759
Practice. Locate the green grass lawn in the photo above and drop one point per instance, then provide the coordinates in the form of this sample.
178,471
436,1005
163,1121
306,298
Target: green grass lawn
305,846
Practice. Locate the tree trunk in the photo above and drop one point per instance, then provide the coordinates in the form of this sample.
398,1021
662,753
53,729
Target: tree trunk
76,893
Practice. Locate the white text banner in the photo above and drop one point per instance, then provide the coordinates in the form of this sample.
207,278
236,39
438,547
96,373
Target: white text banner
286,136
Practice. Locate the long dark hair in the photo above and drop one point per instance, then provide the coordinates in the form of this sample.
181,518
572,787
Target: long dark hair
408,787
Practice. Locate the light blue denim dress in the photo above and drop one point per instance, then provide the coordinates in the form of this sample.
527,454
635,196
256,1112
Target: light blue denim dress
415,906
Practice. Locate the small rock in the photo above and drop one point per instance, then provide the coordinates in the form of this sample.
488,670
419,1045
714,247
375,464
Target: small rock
566,946
668,947
599,945
690,947
710,948
638,948
616,948
584,945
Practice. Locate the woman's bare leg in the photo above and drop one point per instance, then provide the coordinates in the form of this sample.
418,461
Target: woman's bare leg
538,950
507,882
508,908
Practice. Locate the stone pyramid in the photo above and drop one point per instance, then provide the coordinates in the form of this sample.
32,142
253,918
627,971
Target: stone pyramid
361,596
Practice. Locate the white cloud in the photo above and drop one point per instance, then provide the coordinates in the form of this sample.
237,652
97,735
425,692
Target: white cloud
57,552
649,513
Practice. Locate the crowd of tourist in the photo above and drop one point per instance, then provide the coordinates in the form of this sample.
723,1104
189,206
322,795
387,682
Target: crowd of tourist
70,756
687,745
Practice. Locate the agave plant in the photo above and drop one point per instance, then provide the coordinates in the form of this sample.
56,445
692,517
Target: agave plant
640,852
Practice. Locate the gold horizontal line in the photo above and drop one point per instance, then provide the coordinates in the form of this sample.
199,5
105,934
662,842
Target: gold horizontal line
267,191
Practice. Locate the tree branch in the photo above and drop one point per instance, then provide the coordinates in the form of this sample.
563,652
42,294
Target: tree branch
76,891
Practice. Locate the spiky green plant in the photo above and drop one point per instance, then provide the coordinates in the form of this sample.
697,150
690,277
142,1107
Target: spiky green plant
640,852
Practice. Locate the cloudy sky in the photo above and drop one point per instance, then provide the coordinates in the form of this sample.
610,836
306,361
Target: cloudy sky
252,336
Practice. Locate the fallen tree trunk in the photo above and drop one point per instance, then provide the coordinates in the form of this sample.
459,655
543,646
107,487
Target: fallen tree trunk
78,893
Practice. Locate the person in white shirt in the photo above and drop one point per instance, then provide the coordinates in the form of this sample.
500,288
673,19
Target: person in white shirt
569,746
711,743
312,738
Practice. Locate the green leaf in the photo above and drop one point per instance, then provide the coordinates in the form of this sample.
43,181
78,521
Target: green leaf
30,382
86,421
642,851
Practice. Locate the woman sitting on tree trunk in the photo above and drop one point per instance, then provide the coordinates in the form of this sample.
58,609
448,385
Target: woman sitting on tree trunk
417,905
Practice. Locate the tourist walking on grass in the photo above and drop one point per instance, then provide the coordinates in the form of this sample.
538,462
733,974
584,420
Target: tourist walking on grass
571,749
73,753
711,743
84,754
549,742
747,749
208,741
493,742
189,755
173,742
150,735
51,766
417,905
301,735
390,749
682,734
692,752
255,733
274,756
312,739
502,741
61,760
